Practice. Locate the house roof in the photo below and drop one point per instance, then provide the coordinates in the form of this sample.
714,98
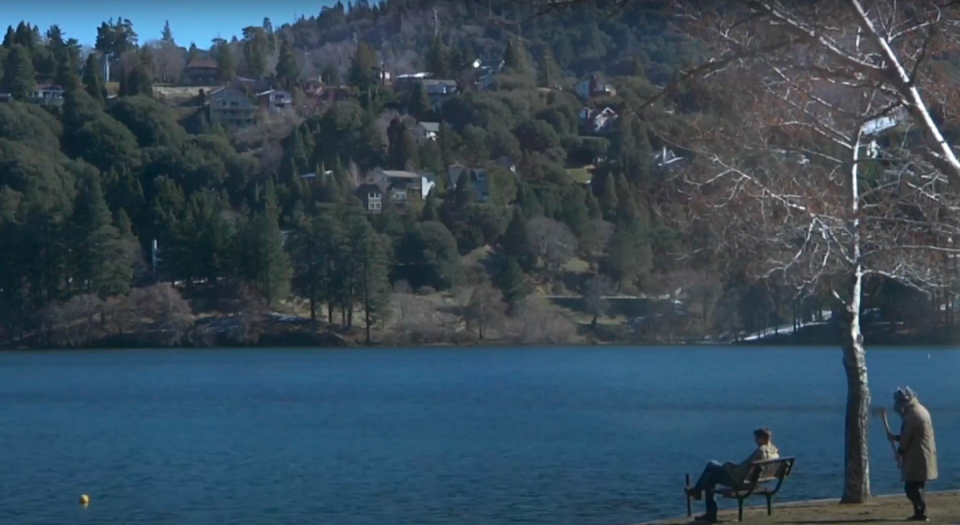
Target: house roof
270,91
399,174
202,63
433,127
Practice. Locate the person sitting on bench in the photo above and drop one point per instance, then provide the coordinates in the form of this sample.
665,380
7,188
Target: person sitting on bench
730,474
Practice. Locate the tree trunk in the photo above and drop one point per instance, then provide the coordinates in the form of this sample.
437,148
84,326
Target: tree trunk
856,488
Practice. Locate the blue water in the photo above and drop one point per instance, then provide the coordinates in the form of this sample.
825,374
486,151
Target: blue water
434,436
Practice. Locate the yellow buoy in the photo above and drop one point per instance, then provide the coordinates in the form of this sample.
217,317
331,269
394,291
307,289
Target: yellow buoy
84,500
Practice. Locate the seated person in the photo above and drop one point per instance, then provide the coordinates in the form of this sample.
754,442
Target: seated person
730,474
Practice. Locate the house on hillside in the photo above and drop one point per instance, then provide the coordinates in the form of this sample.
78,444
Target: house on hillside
478,177
6,98
424,131
593,86
275,100
406,81
440,91
593,122
230,107
507,164
47,95
486,72
201,72
400,189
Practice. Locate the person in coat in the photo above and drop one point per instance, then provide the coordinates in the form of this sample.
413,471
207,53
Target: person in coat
730,474
917,449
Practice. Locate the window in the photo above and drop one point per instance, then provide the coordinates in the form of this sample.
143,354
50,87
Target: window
373,196
374,205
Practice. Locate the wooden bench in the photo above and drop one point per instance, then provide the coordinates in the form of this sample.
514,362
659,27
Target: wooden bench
759,481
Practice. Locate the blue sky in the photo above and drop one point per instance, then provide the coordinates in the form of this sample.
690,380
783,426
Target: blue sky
199,21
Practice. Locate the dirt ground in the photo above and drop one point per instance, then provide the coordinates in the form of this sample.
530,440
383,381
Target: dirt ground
942,508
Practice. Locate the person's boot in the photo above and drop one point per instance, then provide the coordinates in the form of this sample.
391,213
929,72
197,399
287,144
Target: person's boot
918,517
707,518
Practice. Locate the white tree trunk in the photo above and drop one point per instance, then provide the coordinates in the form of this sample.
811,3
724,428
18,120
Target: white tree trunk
856,487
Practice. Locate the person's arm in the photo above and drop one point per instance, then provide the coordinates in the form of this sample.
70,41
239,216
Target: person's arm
907,435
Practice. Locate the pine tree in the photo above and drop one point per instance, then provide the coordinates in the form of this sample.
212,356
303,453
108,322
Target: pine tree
573,210
98,270
9,39
138,82
512,282
513,57
167,35
550,73
18,74
288,71
437,59
226,63
420,106
514,241
362,75
402,152
266,262
608,201
593,205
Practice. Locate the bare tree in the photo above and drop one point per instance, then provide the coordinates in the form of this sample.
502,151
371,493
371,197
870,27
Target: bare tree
595,296
486,308
829,167
169,59
162,304
552,241
538,322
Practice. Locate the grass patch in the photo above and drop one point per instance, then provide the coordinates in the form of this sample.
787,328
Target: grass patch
941,508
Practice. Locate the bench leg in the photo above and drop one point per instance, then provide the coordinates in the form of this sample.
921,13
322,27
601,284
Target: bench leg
769,505
739,509
689,510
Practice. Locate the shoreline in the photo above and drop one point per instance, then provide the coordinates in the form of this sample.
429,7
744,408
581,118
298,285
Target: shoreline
943,507
486,344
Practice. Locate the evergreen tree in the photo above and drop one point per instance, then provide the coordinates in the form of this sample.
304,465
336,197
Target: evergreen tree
18,74
402,151
513,57
573,210
97,243
430,211
226,63
288,71
138,82
437,59
420,106
167,35
92,82
372,261
512,282
550,73
265,261
593,205
9,39
362,75
515,242
609,201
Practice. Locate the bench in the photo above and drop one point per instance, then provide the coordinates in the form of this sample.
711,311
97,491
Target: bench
758,482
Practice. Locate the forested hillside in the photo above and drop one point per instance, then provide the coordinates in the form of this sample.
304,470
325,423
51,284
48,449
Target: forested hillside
121,212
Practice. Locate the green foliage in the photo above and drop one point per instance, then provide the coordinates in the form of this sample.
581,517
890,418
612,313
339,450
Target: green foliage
92,82
288,70
19,78
96,245
264,263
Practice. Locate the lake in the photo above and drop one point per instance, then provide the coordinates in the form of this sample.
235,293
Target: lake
428,436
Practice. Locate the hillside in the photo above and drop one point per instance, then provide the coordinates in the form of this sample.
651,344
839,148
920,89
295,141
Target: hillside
530,199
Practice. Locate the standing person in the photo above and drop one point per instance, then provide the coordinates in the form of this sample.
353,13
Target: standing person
730,474
917,449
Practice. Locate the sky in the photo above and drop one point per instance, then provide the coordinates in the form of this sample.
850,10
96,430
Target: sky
197,21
